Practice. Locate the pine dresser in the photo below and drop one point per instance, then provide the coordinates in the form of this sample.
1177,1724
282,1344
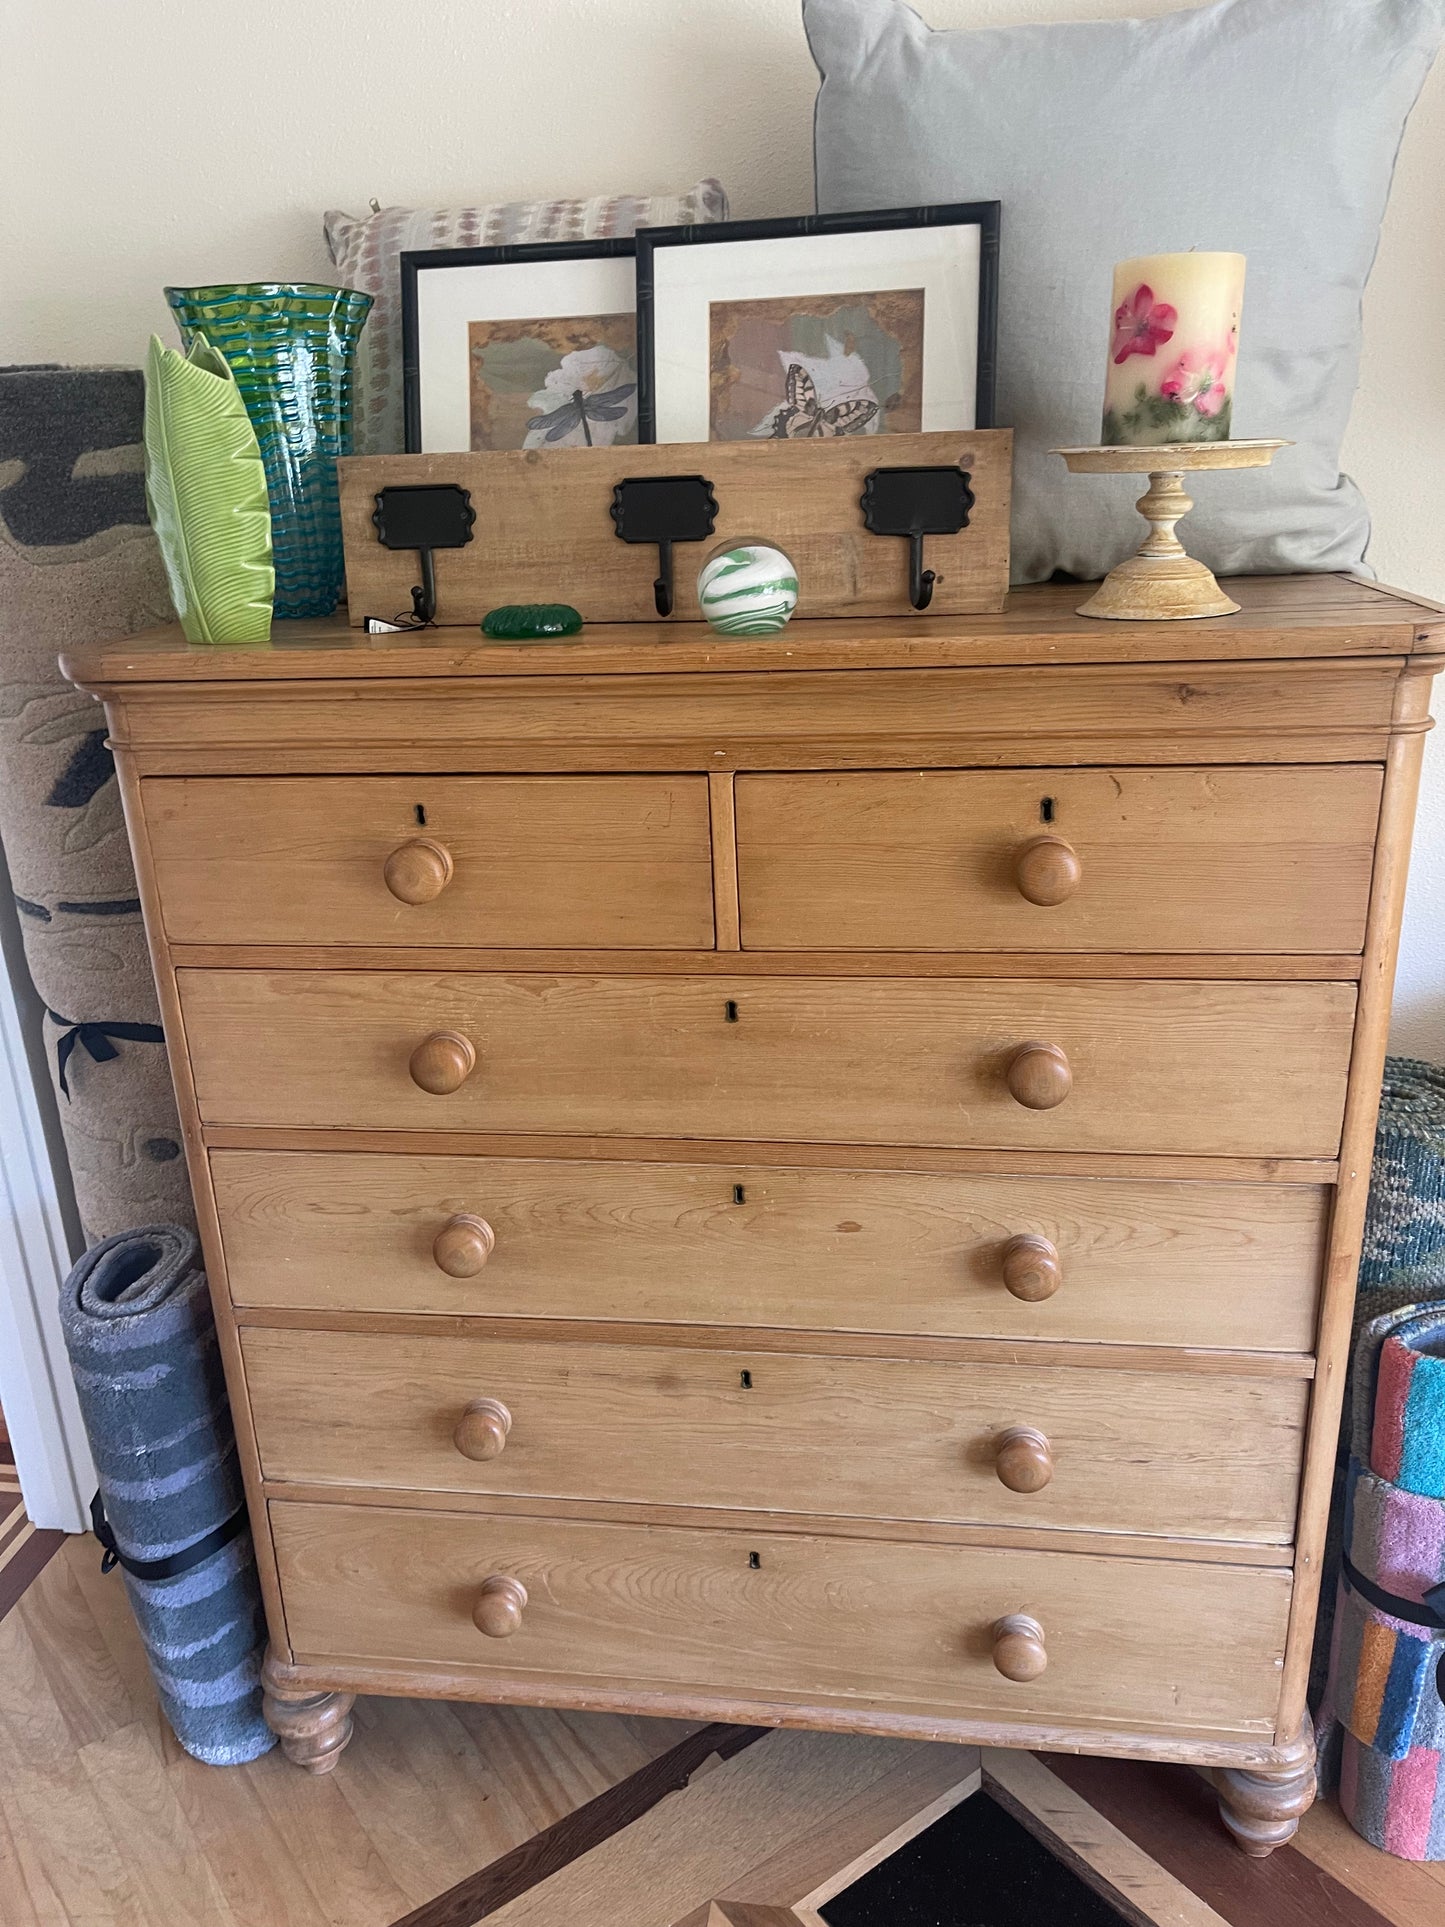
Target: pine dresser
813,1181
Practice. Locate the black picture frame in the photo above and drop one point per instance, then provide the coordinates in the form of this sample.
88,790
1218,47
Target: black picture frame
986,216
417,261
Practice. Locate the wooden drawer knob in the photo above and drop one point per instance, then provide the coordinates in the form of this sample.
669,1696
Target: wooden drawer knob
482,1430
498,1610
1039,1077
1024,1460
1018,1647
463,1245
1047,870
443,1062
1031,1268
417,871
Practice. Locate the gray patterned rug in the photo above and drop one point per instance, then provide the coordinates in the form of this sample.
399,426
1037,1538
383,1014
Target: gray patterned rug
78,563
1402,1262
1403,1256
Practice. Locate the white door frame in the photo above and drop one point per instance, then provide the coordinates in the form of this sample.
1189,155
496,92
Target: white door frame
37,1392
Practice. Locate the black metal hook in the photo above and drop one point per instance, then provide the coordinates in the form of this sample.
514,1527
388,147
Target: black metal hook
664,509
920,580
915,502
424,593
424,516
662,587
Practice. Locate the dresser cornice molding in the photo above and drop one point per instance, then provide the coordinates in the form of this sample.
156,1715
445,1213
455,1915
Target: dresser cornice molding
1286,617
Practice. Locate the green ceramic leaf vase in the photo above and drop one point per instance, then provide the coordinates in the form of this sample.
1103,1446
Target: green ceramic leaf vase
206,493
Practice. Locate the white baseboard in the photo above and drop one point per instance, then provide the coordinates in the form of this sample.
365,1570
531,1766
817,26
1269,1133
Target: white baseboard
42,1414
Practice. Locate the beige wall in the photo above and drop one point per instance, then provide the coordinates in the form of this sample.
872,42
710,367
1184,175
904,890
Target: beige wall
152,141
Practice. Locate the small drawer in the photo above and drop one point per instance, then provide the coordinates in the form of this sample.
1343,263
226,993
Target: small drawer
1143,1262
511,862
1194,860
1181,1456
1164,1645
1213,1068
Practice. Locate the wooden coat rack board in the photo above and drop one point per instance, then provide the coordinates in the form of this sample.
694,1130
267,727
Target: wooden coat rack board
544,530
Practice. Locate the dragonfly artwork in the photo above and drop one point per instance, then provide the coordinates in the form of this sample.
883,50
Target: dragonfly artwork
803,417
581,411
574,402
558,381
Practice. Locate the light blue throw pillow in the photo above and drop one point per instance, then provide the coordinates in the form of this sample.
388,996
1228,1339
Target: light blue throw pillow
1269,127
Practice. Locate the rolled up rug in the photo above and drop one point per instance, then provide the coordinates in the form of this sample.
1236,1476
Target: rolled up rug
1402,1259
170,1510
1386,1693
78,562
1407,1438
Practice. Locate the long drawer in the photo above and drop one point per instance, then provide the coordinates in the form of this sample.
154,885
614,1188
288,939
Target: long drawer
494,861
1131,859
1248,1068
1179,1456
1152,1644
1132,1262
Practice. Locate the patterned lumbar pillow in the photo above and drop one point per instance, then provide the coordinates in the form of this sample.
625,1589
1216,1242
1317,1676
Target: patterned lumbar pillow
367,253
1269,127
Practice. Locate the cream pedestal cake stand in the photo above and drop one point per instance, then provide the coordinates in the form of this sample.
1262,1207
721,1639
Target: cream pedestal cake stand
1162,583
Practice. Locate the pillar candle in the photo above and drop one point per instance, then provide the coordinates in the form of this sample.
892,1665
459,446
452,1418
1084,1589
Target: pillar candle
1172,349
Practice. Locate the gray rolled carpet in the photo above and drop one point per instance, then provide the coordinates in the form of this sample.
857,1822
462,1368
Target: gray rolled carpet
142,1342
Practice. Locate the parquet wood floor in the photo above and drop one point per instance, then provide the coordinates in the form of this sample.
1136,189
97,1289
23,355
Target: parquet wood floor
444,1815
105,1820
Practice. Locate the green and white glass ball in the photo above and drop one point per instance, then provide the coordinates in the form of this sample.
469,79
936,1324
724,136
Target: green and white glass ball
747,588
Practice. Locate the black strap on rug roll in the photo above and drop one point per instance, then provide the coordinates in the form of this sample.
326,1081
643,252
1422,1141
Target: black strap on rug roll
97,1039
1430,1613
168,1568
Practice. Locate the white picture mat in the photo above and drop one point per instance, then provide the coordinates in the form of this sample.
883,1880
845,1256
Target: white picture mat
686,279
448,299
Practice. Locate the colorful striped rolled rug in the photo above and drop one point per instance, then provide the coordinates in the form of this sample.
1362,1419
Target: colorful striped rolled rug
142,1342
1385,1702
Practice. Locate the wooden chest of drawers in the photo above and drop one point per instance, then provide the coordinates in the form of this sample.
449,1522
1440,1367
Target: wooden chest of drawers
814,1181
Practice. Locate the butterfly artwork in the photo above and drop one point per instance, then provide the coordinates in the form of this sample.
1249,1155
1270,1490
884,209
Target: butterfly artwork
803,417
816,370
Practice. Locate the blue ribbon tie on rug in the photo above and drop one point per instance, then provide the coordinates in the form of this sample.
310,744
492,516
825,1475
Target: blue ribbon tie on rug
171,1512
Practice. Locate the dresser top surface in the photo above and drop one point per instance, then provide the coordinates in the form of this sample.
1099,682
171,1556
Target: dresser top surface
1290,616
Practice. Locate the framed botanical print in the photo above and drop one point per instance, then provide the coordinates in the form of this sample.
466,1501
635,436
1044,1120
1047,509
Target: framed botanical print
827,325
528,346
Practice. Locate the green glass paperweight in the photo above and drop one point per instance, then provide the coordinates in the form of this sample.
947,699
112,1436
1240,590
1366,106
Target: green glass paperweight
531,621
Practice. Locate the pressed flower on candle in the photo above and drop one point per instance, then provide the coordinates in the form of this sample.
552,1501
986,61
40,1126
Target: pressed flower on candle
1172,349
1142,324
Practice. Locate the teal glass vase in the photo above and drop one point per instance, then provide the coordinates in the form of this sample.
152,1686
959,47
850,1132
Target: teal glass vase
290,345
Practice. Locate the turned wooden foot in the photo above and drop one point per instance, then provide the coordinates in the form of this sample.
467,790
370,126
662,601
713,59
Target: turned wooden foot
1262,1806
313,1728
